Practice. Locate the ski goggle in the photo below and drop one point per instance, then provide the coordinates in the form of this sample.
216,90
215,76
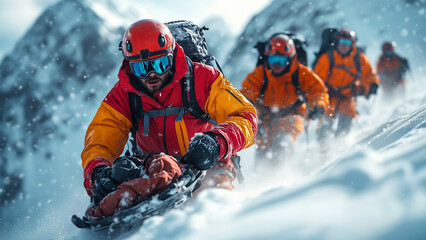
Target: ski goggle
280,60
388,54
345,41
158,65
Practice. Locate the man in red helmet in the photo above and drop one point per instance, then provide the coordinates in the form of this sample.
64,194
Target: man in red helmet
156,69
281,88
347,74
391,69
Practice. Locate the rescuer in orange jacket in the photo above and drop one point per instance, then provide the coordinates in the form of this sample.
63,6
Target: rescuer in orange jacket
282,90
391,69
347,74
155,68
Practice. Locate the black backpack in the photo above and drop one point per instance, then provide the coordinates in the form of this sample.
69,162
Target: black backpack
191,38
299,43
328,37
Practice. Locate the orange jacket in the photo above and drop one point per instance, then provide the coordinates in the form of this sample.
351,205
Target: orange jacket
391,70
280,91
344,71
108,133
343,77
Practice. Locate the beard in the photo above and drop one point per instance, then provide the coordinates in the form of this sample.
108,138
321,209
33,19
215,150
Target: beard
155,83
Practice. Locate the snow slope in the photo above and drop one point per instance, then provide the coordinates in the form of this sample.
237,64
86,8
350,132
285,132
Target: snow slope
374,188
371,186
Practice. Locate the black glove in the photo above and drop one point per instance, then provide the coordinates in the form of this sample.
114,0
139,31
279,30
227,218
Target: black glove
203,151
102,183
316,112
358,91
126,168
373,90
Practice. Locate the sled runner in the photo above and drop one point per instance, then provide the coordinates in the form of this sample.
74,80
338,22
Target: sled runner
175,196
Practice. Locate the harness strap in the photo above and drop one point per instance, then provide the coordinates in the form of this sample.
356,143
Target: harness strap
336,92
189,98
137,111
161,113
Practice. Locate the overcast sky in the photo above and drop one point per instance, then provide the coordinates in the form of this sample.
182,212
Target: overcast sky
18,15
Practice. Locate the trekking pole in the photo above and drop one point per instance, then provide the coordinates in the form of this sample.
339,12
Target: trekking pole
307,133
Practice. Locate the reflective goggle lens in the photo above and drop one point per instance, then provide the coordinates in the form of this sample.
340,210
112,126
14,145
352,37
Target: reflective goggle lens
280,60
345,41
388,54
159,65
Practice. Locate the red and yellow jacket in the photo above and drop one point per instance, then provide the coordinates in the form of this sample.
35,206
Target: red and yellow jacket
108,133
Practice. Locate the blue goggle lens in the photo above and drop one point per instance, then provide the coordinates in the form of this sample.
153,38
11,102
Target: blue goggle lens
388,54
159,65
280,60
345,41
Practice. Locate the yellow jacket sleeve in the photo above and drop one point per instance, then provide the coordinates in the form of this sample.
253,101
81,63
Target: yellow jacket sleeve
106,136
235,115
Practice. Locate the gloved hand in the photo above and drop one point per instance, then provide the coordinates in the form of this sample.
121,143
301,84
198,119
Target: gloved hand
373,90
316,112
203,151
102,183
358,89
126,168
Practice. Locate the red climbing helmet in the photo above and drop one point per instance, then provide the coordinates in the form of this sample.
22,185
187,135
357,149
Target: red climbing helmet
147,39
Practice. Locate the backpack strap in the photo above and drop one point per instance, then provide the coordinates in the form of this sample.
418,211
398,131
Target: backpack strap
331,60
264,86
335,92
296,83
300,99
357,61
136,110
188,95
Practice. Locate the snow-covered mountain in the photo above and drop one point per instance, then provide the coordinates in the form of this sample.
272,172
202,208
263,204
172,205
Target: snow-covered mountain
51,80
219,38
373,21
370,185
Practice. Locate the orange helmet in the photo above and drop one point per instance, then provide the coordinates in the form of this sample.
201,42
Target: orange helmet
346,34
388,46
280,44
147,39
